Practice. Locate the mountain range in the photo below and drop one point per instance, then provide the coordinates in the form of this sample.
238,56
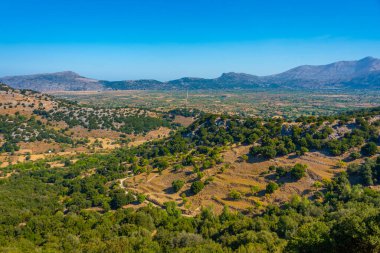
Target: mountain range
364,73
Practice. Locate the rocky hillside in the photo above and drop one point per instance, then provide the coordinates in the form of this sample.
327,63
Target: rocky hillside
335,74
60,81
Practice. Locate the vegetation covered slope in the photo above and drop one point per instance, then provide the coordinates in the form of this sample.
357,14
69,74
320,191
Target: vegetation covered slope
83,206
345,219
236,158
36,123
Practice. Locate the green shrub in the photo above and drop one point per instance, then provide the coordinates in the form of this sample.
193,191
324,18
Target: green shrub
197,186
235,195
177,185
370,149
298,171
271,187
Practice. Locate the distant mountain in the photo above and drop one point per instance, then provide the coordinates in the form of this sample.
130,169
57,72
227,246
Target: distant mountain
364,73
132,84
344,74
371,80
61,81
229,80
326,76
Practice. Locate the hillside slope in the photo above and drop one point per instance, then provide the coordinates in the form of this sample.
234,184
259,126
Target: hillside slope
235,159
334,74
33,125
59,81
199,191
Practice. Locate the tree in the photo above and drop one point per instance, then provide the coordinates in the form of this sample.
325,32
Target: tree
370,149
298,171
187,240
281,172
171,208
254,189
252,138
269,152
177,185
197,186
234,194
141,198
310,237
271,187
161,164
302,151
118,199
355,155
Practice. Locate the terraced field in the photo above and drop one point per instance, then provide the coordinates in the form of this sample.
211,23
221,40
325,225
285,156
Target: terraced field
240,176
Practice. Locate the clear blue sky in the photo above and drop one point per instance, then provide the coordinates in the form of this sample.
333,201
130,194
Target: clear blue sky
167,39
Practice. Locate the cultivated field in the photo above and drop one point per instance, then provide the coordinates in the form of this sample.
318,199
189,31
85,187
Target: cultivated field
288,103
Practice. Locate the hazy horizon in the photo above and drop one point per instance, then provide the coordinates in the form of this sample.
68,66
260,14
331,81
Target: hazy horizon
184,76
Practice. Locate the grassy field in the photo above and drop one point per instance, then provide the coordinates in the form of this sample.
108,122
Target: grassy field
287,103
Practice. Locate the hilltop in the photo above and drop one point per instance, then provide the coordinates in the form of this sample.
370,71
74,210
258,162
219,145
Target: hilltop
66,80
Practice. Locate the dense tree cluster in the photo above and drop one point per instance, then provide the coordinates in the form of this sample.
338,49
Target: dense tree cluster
316,136
367,173
19,128
47,210
275,137
118,119
186,112
296,172
5,88
81,206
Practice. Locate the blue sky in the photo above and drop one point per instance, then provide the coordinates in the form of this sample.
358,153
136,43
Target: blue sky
175,38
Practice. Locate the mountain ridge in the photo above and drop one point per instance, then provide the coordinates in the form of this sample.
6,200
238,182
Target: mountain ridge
64,80
363,73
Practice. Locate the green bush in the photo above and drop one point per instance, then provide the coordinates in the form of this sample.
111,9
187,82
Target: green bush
355,155
271,187
370,149
177,185
298,171
197,186
234,194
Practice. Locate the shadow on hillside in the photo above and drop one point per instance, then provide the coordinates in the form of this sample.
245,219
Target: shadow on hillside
169,190
260,193
293,156
281,180
252,159
188,193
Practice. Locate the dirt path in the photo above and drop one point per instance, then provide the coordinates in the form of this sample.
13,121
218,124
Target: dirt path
7,175
147,200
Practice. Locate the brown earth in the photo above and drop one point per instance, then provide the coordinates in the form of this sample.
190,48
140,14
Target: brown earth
240,176
184,121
